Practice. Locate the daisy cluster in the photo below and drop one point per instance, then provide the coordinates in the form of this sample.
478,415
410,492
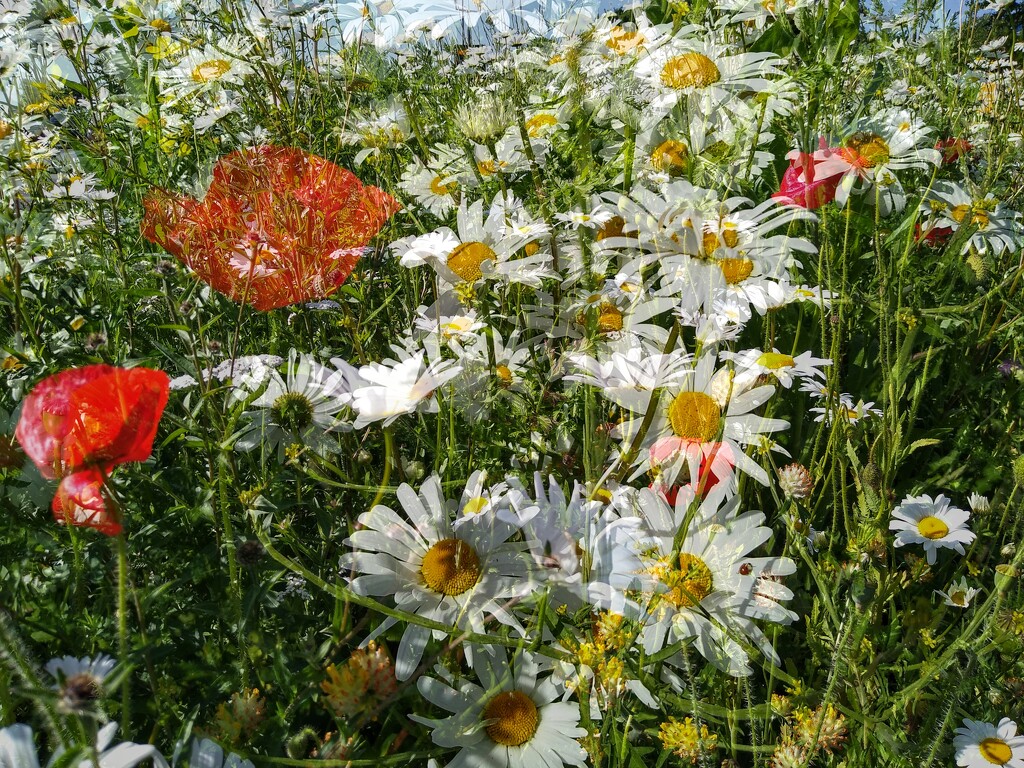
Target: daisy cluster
503,321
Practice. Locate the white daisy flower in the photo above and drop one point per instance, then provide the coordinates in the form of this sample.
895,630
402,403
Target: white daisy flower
981,745
752,364
395,388
18,750
947,205
979,504
562,534
208,754
386,127
434,190
483,248
215,65
460,578
700,418
512,719
79,681
628,372
841,407
301,408
958,594
933,524
707,75
686,574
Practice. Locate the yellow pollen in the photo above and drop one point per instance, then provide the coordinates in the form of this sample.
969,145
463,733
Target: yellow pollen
474,506
451,567
694,416
931,527
211,70
775,360
614,227
736,270
622,41
690,584
689,70
536,125
515,718
710,243
670,157
868,149
439,188
489,167
977,215
610,319
996,751
466,259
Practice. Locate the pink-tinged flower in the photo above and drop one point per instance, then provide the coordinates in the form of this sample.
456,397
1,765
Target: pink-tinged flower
713,462
277,226
77,425
80,501
806,183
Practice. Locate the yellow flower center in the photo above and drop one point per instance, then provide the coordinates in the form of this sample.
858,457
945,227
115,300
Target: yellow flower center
730,236
610,319
670,157
504,374
867,149
614,227
622,41
160,25
996,751
466,259
439,188
531,248
977,215
474,506
689,70
690,583
736,270
450,567
775,360
694,416
515,718
709,243
931,527
957,597
489,167
537,124
211,70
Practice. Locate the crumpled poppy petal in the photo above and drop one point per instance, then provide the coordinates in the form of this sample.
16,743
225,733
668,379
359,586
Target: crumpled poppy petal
807,182
44,421
114,418
277,226
79,501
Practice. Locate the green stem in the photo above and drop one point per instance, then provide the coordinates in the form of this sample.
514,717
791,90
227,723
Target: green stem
389,451
234,582
122,631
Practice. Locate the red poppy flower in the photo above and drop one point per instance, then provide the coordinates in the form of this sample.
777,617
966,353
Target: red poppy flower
802,186
79,424
277,226
953,149
933,236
